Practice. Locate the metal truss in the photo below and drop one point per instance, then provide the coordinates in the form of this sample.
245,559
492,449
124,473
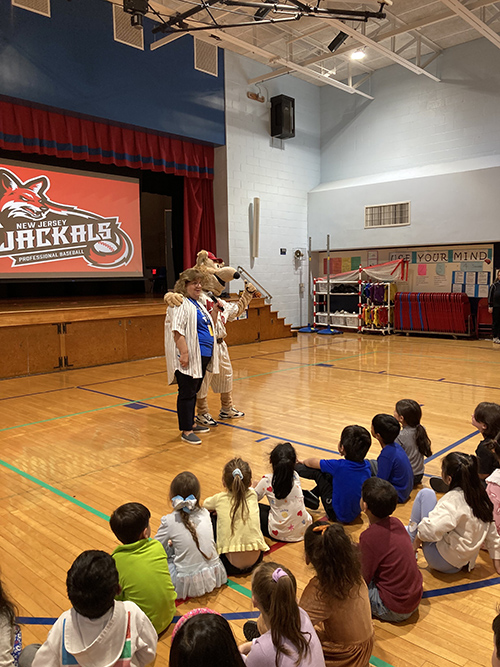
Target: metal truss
266,12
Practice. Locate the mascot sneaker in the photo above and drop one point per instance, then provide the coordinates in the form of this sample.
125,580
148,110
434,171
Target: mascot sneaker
233,413
205,420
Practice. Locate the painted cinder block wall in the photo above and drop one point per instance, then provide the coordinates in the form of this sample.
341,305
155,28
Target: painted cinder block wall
280,178
434,144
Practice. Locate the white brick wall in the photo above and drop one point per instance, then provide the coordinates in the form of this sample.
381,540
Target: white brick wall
280,178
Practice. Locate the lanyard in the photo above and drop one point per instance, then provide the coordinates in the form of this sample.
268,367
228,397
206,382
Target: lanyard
205,317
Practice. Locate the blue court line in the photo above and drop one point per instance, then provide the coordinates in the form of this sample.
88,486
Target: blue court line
221,423
35,620
455,444
411,377
461,588
262,439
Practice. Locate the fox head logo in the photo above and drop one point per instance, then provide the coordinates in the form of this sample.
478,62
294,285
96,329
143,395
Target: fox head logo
35,229
23,200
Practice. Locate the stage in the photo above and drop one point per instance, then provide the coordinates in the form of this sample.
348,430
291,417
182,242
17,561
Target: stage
44,335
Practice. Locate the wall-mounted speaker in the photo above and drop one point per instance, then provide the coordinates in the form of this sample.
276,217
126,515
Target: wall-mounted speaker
282,117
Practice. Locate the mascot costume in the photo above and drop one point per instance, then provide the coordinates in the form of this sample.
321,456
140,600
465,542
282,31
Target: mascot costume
215,276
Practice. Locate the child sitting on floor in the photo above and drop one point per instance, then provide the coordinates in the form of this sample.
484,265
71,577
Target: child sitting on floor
285,518
239,539
336,599
291,640
142,565
188,539
392,464
339,481
454,528
413,437
387,557
98,630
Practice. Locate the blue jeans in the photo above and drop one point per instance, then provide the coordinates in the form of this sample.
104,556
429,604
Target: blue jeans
379,610
423,505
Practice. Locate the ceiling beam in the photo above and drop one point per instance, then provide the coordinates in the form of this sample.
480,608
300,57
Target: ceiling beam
473,20
221,35
380,48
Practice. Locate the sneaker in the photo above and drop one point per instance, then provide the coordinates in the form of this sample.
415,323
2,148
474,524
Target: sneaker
250,630
233,413
205,420
438,485
310,500
198,428
191,438
496,340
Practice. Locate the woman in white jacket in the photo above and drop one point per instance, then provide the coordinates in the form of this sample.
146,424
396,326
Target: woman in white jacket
452,530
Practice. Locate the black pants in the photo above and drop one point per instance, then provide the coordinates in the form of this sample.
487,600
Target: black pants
324,486
496,322
186,398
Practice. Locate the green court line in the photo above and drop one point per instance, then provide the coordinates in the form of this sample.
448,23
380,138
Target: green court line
238,587
377,662
58,492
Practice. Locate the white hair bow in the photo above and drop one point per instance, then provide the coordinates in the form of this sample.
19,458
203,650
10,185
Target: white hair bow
185,504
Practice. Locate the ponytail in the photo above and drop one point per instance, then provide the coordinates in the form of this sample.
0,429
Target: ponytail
275,589
463,470
283,459
185,497
237,477
334,557
411,412
422,440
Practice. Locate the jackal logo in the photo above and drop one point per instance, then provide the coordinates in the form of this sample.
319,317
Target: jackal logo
34,229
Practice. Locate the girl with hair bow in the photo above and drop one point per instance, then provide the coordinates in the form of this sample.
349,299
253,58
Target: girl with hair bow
187,536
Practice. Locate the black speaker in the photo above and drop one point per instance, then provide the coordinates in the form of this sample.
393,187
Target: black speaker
282,117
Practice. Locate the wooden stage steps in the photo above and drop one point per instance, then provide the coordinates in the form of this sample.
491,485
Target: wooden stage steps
40,336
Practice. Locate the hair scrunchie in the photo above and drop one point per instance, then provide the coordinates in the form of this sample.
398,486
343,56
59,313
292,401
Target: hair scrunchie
237,473
278,573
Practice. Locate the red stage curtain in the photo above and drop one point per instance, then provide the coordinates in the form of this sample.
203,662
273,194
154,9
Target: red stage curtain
32,130
199,210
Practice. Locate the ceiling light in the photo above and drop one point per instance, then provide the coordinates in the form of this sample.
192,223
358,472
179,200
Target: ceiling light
359,54
337,42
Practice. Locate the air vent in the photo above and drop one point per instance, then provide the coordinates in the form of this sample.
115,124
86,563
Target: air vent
205,57
387,215
124,32
37,6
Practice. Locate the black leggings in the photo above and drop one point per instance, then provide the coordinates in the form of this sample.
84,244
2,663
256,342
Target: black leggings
186,398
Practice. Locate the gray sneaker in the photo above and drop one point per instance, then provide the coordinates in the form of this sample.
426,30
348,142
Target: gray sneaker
198,428
191,438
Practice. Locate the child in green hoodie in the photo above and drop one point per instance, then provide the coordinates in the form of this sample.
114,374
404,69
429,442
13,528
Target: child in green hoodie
142,565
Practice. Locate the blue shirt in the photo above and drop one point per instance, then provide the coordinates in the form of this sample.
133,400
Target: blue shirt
394,466
205,333
347,480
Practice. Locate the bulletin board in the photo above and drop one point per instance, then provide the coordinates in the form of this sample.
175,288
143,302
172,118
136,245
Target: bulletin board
467,269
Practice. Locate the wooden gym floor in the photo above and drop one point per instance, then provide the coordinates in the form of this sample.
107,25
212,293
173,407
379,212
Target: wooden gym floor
76,444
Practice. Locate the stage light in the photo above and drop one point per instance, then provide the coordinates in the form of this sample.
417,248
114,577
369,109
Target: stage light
137,10
337,42
359,54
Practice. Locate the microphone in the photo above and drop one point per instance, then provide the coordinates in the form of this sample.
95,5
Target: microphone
215,299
